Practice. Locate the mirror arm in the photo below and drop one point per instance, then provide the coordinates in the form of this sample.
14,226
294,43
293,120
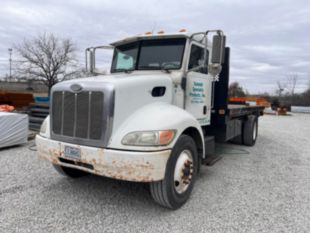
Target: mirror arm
206,49
86,60
94,59
219,32
196,68
90,53
91,61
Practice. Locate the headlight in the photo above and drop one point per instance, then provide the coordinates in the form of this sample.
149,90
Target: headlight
149,138
43,128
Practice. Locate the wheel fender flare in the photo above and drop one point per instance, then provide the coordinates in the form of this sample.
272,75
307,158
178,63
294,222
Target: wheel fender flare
155,116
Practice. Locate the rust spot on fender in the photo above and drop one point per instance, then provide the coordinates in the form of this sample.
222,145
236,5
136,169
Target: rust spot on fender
135,171
55,161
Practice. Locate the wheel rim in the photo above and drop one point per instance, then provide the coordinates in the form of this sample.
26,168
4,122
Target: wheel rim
254,131
183,172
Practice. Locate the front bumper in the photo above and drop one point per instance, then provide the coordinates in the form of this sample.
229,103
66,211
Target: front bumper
123,165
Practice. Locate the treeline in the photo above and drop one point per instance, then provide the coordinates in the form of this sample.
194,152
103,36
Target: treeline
286,98
302,99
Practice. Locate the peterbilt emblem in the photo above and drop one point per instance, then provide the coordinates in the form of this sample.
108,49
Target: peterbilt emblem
76,87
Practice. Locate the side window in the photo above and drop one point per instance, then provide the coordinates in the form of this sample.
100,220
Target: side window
124,61
124,57
196,58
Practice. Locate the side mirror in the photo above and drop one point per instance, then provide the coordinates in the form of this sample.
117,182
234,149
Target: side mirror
218,49
90,59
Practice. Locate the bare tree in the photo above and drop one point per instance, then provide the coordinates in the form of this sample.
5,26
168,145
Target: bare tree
47,58
280,88
235,90
291,83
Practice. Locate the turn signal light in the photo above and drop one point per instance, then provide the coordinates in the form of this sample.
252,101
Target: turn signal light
165,137
149,138
161,32
183,30
148,33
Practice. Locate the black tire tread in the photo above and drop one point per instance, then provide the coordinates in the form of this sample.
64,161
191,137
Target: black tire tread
159,189
248,130
157,192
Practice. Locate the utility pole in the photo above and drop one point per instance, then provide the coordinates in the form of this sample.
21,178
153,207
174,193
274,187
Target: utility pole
10,60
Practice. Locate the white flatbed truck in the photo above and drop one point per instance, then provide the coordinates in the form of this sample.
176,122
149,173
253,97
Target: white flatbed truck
154,119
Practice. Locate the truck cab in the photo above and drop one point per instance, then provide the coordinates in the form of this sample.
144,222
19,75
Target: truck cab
155,118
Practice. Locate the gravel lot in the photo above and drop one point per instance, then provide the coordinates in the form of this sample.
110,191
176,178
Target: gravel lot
265,188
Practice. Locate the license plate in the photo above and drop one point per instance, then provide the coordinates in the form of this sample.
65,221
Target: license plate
72,152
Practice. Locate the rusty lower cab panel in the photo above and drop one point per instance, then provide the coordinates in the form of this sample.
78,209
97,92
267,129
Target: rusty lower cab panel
123,165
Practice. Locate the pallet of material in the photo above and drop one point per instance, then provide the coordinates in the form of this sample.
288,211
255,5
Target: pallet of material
13,129
18,100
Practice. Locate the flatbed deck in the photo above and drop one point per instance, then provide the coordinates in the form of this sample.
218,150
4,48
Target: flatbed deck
238,110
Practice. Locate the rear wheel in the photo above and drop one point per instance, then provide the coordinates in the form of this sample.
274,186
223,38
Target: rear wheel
250,131
174,190
70,172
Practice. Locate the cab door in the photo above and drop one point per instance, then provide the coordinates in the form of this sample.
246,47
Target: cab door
198,86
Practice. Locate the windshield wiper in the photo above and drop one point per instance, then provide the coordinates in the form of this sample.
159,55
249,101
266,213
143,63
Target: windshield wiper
165,70
161,68
127,71
148,67
167,67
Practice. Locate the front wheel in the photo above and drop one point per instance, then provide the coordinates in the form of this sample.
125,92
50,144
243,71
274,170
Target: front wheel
174,190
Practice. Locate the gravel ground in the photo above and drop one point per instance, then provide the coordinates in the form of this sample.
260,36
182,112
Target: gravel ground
265,188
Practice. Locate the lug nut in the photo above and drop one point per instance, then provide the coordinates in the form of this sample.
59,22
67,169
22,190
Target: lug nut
188,163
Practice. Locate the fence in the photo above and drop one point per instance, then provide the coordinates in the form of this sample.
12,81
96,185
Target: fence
23,86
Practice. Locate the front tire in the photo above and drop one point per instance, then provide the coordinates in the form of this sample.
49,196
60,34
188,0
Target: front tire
69,172
174,190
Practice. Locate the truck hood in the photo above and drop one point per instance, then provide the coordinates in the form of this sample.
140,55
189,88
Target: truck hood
131,91
119,79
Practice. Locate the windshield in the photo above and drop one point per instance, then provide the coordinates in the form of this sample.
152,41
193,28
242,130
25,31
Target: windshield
149,55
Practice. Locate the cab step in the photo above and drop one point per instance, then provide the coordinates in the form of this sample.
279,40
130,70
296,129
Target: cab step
211,160
210,156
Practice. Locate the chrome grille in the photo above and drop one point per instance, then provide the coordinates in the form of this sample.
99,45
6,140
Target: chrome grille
78,115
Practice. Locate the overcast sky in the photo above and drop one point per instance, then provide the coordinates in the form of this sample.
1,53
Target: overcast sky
269,39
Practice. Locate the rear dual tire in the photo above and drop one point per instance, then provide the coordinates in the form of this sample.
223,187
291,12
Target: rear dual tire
175,189
249,131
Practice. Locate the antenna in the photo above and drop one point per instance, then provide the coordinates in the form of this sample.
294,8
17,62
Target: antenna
10,61
154,26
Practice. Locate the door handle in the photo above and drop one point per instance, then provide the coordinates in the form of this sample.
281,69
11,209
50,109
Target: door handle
205,110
